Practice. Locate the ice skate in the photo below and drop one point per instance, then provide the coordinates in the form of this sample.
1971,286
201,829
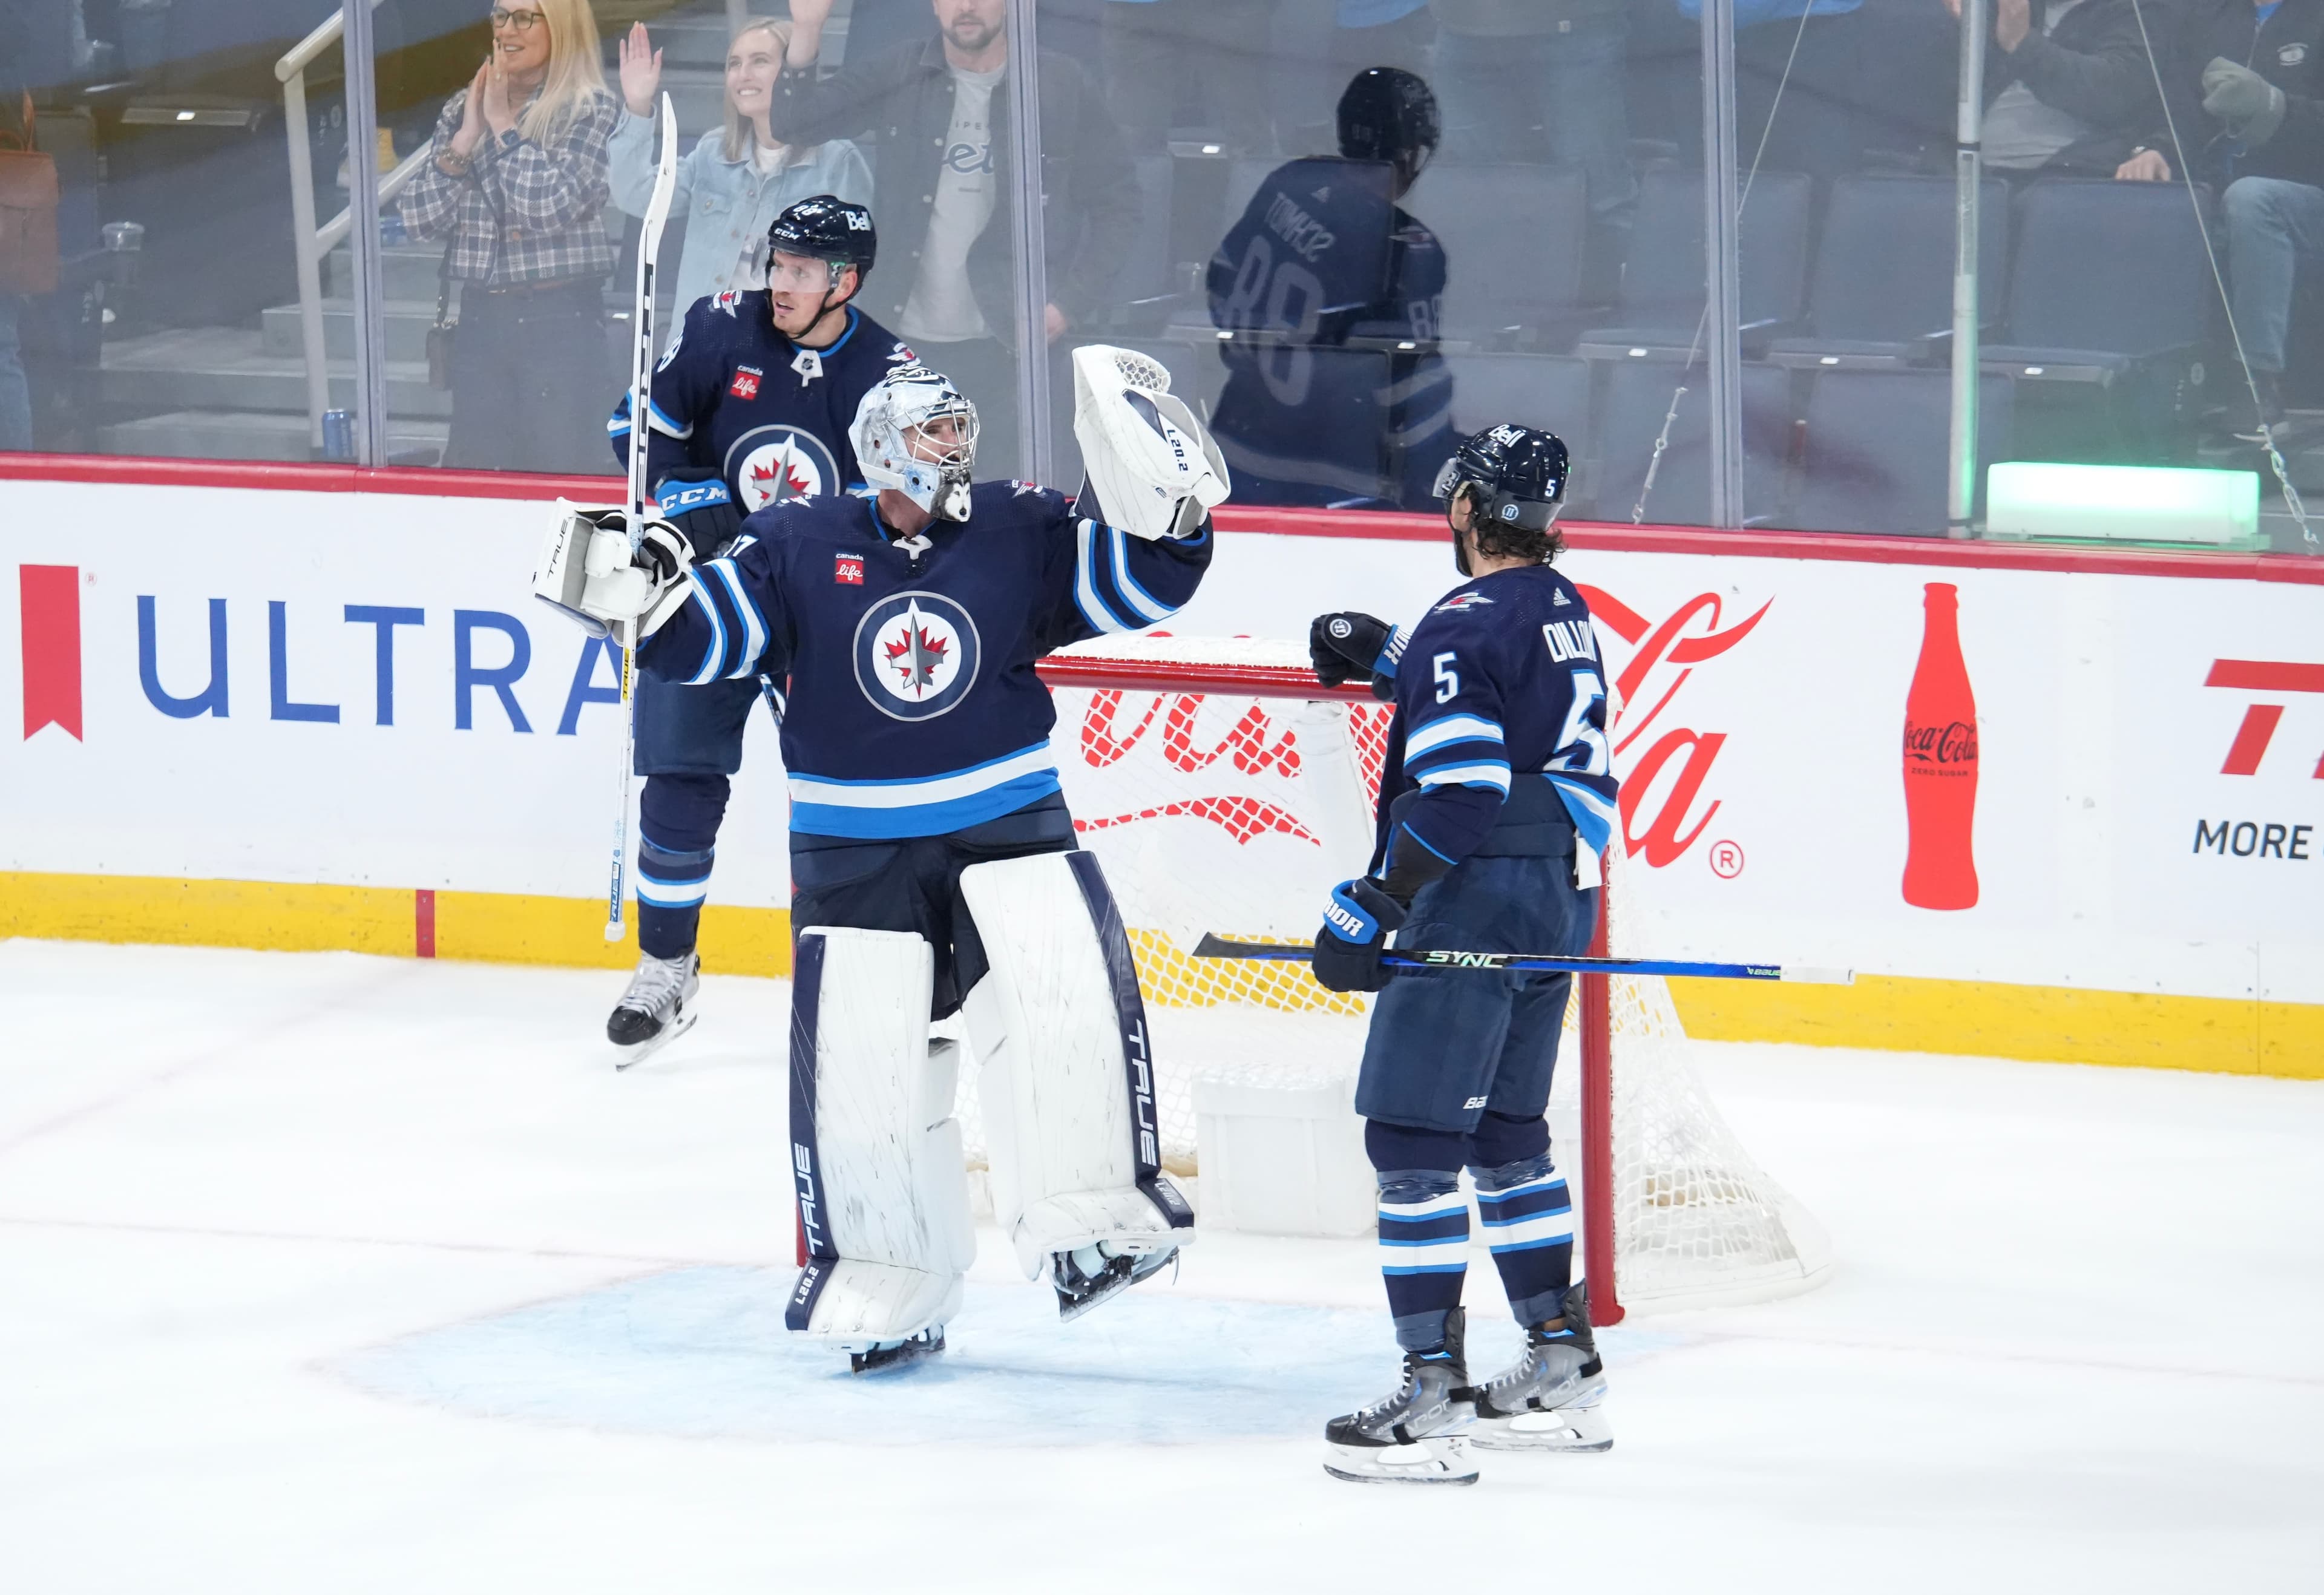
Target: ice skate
657,1009
1550,1398
1416,1435
1090,1275
894,1356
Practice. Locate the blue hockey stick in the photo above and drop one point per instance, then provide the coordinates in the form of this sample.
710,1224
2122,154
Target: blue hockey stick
1213,946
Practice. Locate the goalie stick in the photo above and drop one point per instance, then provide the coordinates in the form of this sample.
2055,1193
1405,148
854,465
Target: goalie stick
642,364
1215,946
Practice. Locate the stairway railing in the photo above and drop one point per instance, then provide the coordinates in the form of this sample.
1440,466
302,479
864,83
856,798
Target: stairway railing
311,242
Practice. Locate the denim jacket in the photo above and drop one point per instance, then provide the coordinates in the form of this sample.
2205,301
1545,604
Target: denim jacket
725,204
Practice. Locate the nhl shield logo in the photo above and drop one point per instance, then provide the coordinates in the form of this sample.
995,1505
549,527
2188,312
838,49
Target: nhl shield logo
777,464
917,655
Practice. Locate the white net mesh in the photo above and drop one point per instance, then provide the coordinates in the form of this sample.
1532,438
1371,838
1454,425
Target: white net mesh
1222,793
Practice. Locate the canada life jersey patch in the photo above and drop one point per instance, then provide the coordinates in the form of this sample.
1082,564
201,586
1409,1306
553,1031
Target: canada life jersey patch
849,570
746,382
917,655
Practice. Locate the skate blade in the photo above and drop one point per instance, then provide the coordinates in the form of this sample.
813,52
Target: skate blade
1561,1429
889,1360
627,1057
1439,1459
1121,1274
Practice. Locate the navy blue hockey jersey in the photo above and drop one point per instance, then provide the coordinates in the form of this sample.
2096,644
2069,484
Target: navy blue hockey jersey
913,708
1323,255
1500,683
733,392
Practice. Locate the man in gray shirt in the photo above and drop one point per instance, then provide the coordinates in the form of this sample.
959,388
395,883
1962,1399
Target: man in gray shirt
2067,87
939,107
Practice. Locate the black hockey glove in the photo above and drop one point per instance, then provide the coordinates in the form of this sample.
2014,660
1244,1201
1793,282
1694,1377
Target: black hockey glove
1356,926
1349,644
694,500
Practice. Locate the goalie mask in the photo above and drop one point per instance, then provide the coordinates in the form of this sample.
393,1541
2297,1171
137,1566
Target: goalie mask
1514,480
900,444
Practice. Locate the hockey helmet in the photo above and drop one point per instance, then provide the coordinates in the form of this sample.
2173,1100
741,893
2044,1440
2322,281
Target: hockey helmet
1388,114
1516,479
827,227
893,416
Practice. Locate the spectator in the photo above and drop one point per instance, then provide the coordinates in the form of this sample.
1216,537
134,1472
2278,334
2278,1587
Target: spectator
517,187
1558,66
2065,96
941,109
736,180
1335,393
1215,51
2259,130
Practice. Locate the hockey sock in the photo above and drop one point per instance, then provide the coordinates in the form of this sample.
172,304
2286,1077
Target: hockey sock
1424,1230
1528,1221
677,832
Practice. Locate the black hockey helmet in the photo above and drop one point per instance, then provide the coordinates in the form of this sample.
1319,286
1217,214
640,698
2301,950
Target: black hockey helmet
1388,114
827,227
1516,479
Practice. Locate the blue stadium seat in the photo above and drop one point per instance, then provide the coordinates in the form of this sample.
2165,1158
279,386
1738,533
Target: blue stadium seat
1513,237
1662,284
1874,457
1883,280
1636,398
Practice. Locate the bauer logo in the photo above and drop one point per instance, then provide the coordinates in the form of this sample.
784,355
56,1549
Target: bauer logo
917,655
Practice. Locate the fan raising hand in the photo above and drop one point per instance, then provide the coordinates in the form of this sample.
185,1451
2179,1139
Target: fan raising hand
640,70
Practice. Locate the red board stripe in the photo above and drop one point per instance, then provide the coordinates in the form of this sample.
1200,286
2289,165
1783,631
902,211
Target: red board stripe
2266,675
2251,739
49,599
423,923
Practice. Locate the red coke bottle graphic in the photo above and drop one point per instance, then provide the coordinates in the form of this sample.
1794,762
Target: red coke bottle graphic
1941,762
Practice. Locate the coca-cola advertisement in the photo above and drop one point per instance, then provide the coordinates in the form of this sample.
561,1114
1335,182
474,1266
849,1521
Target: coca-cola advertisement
1941,762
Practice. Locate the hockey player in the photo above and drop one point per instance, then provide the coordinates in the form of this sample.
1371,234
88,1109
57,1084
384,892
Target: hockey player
1493,817
933,858
1335,392
751,403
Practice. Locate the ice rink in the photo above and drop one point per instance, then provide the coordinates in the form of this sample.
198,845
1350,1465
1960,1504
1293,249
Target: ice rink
331,1273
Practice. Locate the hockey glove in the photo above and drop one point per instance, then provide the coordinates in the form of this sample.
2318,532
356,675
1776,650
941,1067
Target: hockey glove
2252,107
1356,926
694,500
1349,644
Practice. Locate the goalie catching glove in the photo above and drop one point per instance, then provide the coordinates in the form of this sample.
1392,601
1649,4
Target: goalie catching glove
1152,468
588,571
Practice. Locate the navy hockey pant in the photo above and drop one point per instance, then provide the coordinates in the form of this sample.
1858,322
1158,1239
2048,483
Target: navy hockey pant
689,741
913,883
1456,1074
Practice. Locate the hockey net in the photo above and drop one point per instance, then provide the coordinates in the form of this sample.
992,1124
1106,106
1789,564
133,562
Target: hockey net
1223,790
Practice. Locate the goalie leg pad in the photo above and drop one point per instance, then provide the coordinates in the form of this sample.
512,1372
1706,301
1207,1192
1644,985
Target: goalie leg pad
875,1153
1068,1080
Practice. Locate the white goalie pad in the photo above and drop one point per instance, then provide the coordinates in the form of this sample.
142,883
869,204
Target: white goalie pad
1155,470
1067,1087
875,1154
584,572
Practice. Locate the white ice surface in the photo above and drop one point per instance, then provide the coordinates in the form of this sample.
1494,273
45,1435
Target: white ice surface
327,1273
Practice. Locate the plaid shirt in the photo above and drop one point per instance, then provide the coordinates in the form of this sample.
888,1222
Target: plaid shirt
547,201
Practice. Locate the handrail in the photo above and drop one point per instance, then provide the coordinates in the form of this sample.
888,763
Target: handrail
311,242
303,53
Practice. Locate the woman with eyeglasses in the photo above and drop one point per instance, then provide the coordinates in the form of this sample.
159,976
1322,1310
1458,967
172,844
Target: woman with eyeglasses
517,190
735,182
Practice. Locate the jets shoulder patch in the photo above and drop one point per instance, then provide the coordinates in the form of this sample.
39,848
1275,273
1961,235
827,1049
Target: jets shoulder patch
1460,602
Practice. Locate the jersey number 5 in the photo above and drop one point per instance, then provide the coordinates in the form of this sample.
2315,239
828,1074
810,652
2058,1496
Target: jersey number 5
1581,742
1448,679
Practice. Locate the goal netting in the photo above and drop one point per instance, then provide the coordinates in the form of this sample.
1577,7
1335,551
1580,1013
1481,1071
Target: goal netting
1223,790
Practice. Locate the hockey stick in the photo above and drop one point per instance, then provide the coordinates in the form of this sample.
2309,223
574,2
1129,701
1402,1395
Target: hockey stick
642,364
1213,947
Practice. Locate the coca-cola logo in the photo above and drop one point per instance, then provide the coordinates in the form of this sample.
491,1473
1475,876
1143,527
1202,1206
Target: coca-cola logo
1954,743
1660,821
1251,745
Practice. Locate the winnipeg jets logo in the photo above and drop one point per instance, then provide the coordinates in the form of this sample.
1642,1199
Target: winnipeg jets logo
916,655
777,464
1460,602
